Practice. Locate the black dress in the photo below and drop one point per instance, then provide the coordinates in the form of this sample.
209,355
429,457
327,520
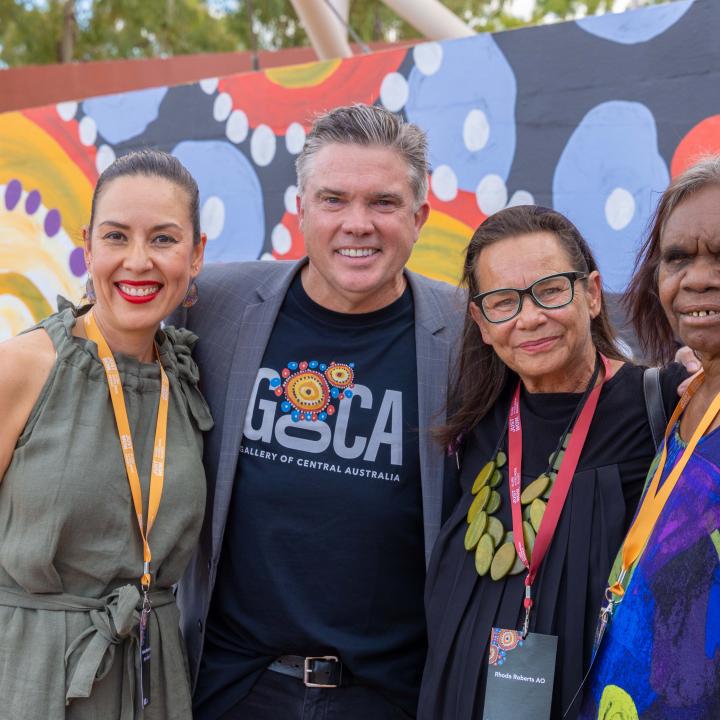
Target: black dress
462,606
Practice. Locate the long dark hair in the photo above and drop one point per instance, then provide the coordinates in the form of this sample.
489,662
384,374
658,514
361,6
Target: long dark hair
481,375
641,300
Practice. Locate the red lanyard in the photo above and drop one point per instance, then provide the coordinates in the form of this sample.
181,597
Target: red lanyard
560,489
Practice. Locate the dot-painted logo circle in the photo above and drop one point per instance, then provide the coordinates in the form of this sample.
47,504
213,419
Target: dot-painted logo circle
307,391
340,375
509,639
494,654
309,388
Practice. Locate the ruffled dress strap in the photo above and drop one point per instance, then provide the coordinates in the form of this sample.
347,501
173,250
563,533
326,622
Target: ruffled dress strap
174,344
175,355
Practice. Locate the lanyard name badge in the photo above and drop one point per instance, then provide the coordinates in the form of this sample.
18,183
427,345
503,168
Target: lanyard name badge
653,503
521,669
157,476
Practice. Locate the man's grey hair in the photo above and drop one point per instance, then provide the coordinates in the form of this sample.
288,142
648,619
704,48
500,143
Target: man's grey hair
369,125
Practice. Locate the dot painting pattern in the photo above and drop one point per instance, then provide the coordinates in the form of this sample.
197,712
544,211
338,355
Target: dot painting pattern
13,192
591,117
310,388
619,140
39,260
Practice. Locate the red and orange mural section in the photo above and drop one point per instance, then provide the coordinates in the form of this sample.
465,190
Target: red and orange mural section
46,179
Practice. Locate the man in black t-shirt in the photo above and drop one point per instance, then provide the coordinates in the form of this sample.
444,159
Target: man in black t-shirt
305,598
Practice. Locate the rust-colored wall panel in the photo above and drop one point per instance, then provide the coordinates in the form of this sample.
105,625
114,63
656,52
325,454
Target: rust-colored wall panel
37,85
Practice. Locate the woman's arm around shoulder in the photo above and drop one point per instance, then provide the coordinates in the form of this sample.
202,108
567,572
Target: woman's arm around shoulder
25,364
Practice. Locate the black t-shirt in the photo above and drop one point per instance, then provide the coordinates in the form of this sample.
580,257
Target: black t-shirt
323,551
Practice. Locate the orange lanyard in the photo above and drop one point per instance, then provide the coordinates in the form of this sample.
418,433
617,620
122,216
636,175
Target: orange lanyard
654,500
157,474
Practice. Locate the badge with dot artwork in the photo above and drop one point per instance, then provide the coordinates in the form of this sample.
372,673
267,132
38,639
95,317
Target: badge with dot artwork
520,675
309,388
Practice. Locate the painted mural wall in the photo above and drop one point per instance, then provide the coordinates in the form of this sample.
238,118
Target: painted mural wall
592,118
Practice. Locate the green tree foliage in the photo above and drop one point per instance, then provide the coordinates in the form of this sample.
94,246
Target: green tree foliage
274,23
33,32
138,28
30,33
48,31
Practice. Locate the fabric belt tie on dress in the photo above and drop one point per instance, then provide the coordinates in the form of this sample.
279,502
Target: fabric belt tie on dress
114,618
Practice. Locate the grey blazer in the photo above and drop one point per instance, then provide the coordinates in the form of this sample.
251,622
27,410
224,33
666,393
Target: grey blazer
234,318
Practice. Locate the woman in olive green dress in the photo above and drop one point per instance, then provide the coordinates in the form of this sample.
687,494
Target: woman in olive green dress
76,587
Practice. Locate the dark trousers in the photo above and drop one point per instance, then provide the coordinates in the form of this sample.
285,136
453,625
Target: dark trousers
279,697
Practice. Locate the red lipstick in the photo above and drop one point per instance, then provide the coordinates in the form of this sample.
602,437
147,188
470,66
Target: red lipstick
144,297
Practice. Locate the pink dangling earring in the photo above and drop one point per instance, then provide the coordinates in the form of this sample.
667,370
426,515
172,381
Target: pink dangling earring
90,290
191,296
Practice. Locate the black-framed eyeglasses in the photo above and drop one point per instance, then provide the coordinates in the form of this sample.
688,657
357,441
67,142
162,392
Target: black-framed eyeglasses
551,292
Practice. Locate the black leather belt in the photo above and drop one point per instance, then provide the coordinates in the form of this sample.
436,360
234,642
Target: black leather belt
320,671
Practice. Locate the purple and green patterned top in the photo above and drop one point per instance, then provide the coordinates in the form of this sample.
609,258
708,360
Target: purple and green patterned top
660,658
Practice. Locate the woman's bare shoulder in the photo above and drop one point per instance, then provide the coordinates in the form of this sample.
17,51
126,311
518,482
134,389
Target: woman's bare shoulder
25,364
25,354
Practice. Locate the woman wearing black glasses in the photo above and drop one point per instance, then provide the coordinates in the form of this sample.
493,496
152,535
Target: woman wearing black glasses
552,438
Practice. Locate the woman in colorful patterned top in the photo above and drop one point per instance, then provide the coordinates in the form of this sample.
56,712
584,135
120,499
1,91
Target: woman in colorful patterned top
659,658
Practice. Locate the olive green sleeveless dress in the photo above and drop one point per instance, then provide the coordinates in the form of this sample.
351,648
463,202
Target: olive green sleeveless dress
70,549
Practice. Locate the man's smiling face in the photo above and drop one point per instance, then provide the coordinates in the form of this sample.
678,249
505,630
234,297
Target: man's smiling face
358,215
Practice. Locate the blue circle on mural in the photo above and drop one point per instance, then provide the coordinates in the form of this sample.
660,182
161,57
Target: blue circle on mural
475,133
608,181
125,115
632,27
231,199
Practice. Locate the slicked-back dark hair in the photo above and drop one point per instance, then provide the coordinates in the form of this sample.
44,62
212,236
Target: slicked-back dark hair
641,301
152,163
481,375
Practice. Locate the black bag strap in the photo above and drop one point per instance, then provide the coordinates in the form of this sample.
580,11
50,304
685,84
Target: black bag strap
654,405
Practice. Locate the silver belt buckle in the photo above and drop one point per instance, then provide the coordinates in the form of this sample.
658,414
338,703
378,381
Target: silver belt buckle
306,673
